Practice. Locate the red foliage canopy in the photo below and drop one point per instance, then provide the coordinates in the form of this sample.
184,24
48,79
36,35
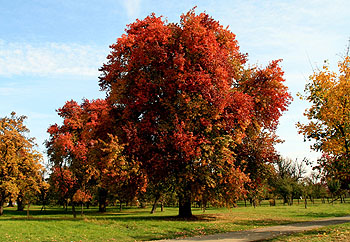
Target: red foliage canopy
186,100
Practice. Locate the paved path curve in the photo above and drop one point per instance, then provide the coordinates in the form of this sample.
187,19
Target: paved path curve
265,232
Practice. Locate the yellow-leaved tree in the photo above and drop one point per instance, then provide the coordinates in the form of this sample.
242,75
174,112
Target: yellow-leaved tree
329,119
20,163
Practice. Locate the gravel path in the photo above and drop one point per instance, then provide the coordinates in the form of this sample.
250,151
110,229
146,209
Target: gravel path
265,232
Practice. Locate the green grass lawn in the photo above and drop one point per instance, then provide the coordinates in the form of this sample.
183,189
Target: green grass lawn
134,224
334,233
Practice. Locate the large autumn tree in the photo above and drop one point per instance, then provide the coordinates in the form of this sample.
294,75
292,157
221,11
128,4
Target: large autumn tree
20,163
329,119
186,100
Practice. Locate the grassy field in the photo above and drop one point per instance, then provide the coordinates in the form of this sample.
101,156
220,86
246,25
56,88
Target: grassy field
134,224
335,233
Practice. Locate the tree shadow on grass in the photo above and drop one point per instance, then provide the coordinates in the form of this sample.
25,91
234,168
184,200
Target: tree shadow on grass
48,212
132,214
129,218
122,217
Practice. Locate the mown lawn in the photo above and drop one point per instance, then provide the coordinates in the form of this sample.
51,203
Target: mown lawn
334,233
135,224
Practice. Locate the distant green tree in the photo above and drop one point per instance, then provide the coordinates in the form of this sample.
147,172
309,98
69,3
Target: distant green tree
334,187
286,183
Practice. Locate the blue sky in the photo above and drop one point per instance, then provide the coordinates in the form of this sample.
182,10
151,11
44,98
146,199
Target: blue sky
50,50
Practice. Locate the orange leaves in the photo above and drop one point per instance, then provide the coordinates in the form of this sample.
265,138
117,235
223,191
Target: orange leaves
329,118
329,94
20,168
80,124
270,96
186,143
238,111
62,180
179,60
81,196
74,147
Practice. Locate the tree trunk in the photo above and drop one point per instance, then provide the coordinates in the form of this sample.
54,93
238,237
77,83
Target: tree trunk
102,200
162,207
332,198
28,205
10,204
82,209
185,206
204,205
154,207
1,207
120,206
73,210
305,202
20,205
43,199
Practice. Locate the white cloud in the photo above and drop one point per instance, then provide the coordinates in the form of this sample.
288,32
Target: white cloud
279,27
132,8
48,59
6,91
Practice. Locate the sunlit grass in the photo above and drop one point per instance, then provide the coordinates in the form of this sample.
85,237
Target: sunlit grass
334,233
135,224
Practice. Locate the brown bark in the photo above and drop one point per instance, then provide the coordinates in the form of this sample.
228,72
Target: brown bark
20,205
185,210
305,202
28,205
102,200
73,210
10,204
1,207
154,207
